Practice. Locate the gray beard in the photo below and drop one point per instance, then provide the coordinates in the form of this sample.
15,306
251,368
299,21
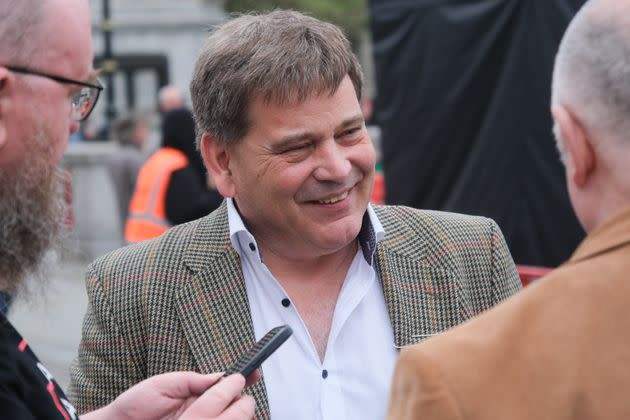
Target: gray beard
32,211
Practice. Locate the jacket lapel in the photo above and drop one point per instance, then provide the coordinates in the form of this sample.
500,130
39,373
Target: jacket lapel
423,298
213,306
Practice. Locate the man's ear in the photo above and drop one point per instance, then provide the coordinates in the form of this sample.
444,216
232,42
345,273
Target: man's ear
5,80
216,157
580,156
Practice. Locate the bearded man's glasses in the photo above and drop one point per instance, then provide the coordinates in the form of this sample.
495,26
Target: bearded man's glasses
82,102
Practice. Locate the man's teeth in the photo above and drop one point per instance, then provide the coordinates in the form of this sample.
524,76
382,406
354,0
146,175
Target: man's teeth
333,200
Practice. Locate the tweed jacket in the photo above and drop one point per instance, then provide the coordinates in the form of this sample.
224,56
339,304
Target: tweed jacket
179,302
558,350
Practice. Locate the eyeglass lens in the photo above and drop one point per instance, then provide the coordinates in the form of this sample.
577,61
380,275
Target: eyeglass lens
83,102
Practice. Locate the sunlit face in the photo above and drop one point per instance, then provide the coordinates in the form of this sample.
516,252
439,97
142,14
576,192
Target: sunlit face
302,177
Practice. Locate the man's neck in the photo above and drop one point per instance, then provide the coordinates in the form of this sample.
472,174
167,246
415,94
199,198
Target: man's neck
308,269
604,198
313,285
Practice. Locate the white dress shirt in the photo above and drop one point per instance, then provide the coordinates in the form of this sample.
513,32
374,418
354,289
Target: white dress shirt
353,381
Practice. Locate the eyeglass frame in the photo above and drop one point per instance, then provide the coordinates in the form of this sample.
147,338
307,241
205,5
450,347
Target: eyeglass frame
65,80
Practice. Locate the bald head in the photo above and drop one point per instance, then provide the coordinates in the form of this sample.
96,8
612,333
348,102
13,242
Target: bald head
591,109
592,70
20,24
25,27
170,98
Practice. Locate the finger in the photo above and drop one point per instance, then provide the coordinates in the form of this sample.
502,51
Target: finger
201,386
181,385
215,400
242,409
253,378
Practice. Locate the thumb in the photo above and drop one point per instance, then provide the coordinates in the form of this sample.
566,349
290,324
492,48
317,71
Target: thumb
182,385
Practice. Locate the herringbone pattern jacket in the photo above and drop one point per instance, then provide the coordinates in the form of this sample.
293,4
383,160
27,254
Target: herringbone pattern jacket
179,302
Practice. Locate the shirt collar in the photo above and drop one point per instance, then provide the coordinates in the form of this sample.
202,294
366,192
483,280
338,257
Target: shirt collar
370,234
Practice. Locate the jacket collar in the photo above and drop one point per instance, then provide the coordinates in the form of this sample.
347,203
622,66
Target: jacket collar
370,234
423,295
613,233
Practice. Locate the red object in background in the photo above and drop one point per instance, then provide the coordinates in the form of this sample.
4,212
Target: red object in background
530,273
378,190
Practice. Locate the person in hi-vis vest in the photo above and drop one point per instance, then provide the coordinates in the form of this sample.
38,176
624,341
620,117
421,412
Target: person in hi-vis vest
172,185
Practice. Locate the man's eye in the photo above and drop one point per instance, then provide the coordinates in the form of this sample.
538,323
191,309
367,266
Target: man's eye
350,136
295,148
79,96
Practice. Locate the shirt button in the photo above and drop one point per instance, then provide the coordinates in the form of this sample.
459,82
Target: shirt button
324,374
286,302
252,246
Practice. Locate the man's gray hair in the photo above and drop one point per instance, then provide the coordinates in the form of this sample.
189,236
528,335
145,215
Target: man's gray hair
592,70
19,37
281,57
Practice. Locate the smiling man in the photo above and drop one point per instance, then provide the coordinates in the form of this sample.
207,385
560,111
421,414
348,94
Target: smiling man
47,86
276,99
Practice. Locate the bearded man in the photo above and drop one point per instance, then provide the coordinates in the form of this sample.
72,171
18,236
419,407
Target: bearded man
48,85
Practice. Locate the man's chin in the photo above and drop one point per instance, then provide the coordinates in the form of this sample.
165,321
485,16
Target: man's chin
338,238
31,227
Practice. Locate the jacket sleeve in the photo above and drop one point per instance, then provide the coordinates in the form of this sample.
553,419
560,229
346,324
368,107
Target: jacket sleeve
103,368
505,278
418,391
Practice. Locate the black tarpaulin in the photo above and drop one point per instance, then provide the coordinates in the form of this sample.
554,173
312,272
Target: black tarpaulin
463,103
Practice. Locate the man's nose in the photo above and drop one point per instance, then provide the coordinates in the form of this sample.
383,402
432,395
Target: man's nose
333,162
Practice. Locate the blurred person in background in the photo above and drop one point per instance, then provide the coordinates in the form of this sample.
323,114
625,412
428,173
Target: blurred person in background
131,132
173,186
47,86
170,97
277,103
558,350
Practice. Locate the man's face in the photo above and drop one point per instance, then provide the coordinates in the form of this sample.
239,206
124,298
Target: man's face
36,125
141,133
302,177
31,212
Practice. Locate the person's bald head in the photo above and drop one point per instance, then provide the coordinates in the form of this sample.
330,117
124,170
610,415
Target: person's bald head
170,98
20,23
592,69
591,109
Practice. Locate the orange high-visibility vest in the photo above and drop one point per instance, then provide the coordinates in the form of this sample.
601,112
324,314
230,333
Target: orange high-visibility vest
147,209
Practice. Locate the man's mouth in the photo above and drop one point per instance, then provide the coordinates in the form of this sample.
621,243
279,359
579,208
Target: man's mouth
335,199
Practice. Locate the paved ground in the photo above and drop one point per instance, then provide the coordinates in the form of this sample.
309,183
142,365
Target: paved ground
51,319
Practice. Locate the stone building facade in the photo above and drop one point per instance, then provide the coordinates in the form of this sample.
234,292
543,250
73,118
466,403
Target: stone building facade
153,42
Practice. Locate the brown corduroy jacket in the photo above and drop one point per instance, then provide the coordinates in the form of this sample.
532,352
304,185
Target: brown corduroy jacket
558,350
179,302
